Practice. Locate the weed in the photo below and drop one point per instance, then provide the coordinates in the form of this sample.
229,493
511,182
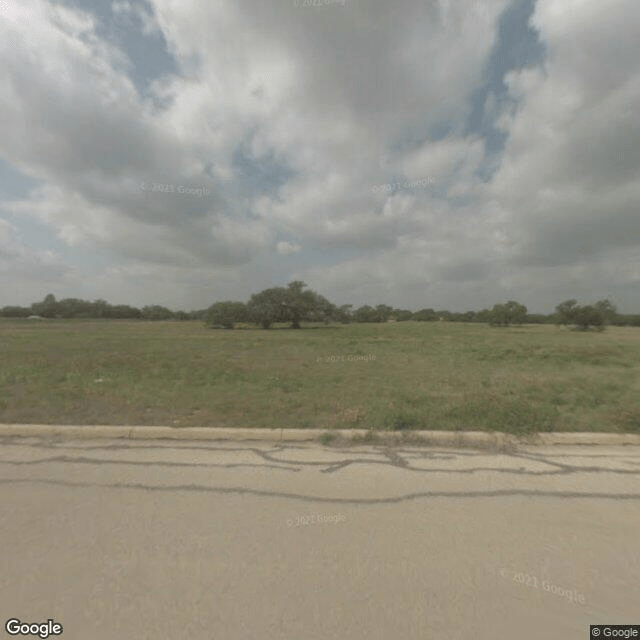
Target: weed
327,438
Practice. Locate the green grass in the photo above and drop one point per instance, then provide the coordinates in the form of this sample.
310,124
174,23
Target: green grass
425,376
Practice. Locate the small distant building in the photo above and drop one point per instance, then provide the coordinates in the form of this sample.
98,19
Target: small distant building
35,318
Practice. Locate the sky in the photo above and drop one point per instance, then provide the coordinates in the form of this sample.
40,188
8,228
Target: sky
446,154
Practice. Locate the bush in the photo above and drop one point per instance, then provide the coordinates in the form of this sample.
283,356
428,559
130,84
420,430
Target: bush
589,316
584,317
504,315
15,312
226,314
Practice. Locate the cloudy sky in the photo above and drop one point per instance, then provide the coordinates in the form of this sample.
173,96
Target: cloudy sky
419,153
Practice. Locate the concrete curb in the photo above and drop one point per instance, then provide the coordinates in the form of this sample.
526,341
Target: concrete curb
455,438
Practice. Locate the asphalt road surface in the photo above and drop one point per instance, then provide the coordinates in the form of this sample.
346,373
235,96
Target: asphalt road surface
210,540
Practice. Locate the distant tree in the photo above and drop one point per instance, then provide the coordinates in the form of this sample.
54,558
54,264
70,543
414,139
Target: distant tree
15,312
226,314
624,320
504,315
48,308
619,320
299,304
425,315
289,304
459,316
365,313
73,308
499,316
156,312
582,318
382,313
124,311
307,305
402,315
343,314
589,316
608,311
566,312
100,308
516,312
268,306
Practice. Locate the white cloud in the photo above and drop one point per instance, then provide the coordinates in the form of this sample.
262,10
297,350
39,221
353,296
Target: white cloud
343,98
570,172
24,270
287,248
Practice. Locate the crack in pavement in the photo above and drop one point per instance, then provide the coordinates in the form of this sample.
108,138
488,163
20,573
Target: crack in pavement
160,463
394,458
303,498
330,466
61,443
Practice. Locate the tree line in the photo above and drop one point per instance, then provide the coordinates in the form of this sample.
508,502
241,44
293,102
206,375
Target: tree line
295,304
75,308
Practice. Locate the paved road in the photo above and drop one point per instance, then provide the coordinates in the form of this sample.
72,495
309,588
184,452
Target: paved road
213,540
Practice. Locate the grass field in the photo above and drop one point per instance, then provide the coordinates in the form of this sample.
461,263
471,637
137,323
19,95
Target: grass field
414,375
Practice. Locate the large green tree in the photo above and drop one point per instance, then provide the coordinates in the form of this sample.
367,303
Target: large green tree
267,307
306,305
498,316
402,315
566,312
74,308
48,308
100,308
291,304
425,315
365,313
504,315
382,313
516,312
344,314
608,311
596,316
589,316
